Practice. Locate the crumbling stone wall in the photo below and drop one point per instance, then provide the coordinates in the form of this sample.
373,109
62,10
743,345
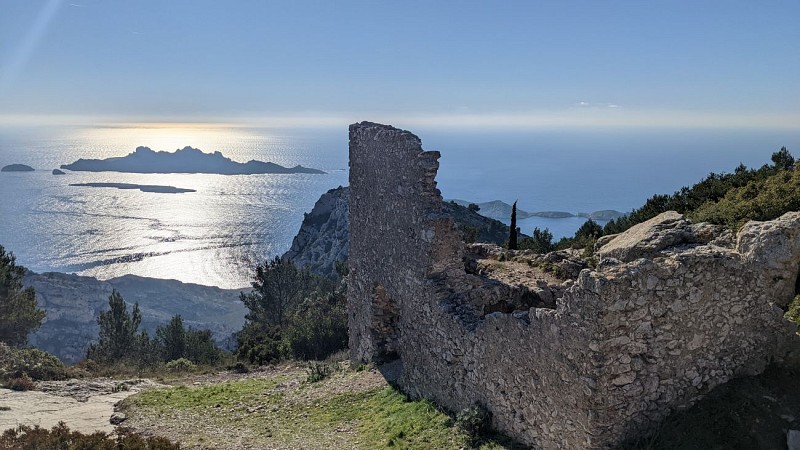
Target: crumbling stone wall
670,312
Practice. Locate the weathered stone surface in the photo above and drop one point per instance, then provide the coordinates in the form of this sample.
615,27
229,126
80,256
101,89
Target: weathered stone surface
323,236
625,343
647,239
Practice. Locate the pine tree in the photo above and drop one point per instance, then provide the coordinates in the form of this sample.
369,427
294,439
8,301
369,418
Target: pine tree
172,338
19,314
512,235
118,338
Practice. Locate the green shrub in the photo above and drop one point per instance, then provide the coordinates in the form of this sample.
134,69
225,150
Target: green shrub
318,371
20,383
793,312
34,363
180,365
474,422
60,437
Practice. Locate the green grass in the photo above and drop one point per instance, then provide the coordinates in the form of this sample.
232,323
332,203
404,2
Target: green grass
350,409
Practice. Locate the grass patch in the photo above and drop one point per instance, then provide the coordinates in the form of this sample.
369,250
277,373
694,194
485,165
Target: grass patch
348,409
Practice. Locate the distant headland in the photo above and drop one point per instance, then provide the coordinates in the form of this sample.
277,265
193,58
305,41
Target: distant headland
186,160
141,187
17,168
500,210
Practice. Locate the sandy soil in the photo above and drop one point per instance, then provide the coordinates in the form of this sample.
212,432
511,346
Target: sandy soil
84,405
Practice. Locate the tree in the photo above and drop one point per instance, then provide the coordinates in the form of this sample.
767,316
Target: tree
473,207
172,338
19,314
279,287
118,339
176,341
512,235
783,159
541,241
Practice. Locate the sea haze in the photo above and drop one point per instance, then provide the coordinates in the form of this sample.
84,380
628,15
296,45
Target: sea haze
216,235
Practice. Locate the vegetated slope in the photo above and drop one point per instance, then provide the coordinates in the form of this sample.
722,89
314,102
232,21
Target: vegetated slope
281,408
323,237
74,302
728,199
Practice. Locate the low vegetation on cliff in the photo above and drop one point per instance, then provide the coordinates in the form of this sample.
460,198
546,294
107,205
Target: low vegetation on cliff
725,199
728,199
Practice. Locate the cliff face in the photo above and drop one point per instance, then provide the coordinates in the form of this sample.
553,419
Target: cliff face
672,310
323,238
73,304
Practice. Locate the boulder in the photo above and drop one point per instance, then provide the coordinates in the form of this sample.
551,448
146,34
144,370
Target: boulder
647,239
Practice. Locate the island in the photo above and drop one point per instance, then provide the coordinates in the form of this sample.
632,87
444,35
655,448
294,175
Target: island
186,160
17,168
141,187
58,172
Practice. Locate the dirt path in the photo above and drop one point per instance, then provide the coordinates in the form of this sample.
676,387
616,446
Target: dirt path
84,405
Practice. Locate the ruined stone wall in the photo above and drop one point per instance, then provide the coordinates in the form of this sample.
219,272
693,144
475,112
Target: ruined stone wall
627,342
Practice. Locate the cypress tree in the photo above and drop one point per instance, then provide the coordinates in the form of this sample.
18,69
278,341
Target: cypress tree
512,235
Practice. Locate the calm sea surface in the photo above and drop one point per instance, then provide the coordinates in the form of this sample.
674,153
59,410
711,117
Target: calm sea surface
215,236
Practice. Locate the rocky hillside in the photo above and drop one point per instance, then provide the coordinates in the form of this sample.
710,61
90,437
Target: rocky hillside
73,304
323,236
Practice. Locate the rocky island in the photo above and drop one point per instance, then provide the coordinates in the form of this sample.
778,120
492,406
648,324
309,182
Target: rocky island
141,187
186,160
17,168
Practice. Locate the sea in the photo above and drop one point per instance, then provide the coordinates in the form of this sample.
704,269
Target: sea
217,235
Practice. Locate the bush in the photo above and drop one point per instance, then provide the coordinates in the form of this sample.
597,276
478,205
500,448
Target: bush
20,383
31,362
318,371
473,422
180,365
60,437
793,312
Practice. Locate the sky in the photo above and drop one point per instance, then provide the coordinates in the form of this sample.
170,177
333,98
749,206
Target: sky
452,63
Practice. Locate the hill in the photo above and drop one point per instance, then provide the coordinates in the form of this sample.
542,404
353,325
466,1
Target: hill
74,302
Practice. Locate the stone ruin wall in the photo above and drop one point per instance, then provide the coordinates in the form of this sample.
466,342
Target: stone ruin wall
624,345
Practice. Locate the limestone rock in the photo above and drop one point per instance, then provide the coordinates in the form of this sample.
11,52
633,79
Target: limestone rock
647,239
117,418
322,239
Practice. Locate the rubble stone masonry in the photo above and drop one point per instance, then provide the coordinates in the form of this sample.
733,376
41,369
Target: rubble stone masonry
672,310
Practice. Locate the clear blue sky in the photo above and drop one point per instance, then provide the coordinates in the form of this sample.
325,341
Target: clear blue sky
690,62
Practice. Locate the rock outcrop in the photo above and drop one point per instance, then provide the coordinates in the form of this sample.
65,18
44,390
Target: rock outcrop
672,310
73,303
322,239
323,236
